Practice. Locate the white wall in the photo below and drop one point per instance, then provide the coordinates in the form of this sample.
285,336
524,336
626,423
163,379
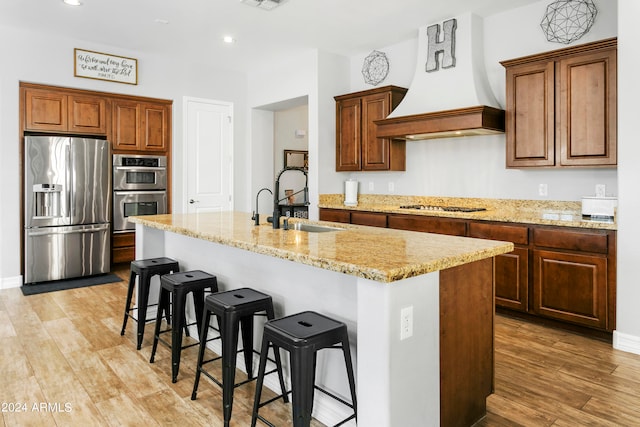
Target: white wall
475,166
627,335
48,59
318,76
286,123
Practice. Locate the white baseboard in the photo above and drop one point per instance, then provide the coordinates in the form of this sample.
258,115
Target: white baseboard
626,342
10,282
325,409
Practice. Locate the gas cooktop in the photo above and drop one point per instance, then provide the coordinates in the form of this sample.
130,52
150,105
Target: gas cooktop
442,208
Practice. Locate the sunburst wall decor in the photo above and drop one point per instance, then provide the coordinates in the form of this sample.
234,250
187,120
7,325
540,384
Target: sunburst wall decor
565,21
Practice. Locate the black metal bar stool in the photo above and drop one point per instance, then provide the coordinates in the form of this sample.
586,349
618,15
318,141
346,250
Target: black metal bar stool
303,335
144,269
235,310
176,286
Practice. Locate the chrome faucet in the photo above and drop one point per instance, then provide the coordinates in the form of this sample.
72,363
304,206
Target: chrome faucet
256,215
275,219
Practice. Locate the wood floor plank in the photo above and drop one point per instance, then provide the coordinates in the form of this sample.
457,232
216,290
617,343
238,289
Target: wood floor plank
6,327
15,364
167,408
45,307
26,393
516,412
28,326
65,334
615,411
122,410
95,333
96,376
133,370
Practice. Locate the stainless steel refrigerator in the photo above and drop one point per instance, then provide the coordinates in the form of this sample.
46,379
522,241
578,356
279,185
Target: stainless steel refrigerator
67,207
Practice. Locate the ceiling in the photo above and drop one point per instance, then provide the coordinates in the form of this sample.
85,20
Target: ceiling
195,27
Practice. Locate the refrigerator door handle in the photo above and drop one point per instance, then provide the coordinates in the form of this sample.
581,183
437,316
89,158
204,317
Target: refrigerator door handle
68,179
67,230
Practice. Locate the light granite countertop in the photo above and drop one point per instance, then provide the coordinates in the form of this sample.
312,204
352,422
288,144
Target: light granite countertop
379,254
541,212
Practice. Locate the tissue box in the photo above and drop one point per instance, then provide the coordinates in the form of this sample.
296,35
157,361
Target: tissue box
599,206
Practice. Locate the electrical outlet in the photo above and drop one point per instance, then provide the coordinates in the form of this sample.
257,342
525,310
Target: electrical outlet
601,190
392,187
370,186
406,322
543,190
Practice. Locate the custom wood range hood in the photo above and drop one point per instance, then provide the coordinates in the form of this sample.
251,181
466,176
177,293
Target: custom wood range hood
448,102
480,120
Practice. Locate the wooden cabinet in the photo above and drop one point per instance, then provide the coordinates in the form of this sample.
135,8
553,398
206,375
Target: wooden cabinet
58,111
560,273
373,219
123,247
562,107
335,215
428,224
140,126
511,271
357,147
571,276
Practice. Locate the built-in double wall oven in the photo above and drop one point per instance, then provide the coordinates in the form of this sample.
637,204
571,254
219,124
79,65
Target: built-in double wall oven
139,188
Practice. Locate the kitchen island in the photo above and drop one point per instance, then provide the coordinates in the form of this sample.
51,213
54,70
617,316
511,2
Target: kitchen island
433,368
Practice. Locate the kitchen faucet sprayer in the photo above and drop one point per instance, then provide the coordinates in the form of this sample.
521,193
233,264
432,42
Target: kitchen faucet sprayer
256,215
275,219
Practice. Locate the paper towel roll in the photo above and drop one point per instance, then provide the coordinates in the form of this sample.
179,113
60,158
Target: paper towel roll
351,193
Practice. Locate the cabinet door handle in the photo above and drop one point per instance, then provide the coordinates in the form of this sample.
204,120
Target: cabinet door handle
193,201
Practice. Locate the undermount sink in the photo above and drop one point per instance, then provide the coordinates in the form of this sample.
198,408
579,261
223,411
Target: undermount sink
312,228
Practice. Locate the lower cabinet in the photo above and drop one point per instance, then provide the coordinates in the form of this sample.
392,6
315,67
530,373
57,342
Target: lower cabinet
560,273
428,224
335,215
574,276
123,247
373,219
511,271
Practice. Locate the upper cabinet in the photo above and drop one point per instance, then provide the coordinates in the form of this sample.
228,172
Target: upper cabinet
140,126
357,147
56,111
562,107
133,124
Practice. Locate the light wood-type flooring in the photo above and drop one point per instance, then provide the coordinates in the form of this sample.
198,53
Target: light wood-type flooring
64,363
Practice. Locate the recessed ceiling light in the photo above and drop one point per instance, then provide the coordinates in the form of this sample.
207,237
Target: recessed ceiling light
73,2
228,39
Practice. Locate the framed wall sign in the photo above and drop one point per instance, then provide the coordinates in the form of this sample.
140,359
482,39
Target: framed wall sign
102,66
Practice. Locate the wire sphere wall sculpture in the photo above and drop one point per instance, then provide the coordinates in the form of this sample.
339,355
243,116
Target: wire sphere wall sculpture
565,21
375,67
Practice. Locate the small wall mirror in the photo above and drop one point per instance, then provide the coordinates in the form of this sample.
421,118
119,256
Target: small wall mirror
296,158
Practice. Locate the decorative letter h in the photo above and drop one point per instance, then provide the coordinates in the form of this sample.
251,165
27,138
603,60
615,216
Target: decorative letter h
446,46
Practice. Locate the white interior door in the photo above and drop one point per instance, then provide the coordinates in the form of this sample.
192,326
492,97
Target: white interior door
209,155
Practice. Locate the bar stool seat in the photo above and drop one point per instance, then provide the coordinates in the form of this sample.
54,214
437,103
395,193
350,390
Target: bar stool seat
235,311
303,335
175,287
145,269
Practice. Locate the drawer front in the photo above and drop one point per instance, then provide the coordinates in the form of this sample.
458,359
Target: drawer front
335,215
581,241
373,219
124,239
123,254
426,224
511,233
